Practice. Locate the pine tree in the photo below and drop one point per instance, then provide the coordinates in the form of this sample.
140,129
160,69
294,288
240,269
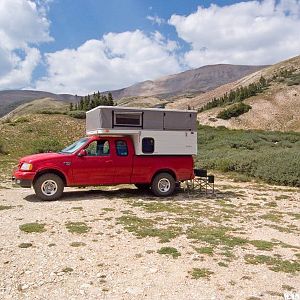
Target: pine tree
81,103
110,100
71,106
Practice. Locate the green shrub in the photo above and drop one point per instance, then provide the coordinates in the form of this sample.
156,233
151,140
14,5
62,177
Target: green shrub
294,79
21,120
234,111
2,148
77,114
51,112
273,157
46,145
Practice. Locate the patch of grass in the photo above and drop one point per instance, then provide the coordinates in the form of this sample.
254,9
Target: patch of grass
25,245
33,228
51,245
21,120
198,273
262,245
222,264
67,270
275,264
280,228
146,227
155,207
215,236
282,197
271,204
169,251
246,277
77,244
4,207
228,254
272,217
205,250
296,216
77,227
77,208
46,145
108,209
288,287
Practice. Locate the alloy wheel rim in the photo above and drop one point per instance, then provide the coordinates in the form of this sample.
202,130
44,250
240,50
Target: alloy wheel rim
49,187
164,185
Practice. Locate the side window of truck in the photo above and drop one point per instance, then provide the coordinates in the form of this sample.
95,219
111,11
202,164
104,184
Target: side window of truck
121,148
98,148
148,145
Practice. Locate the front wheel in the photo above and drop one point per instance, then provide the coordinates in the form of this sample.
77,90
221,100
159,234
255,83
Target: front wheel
49,187
163,185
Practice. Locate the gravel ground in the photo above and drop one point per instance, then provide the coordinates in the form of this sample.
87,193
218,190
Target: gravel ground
114,254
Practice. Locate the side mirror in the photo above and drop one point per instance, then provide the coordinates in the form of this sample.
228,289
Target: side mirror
82,153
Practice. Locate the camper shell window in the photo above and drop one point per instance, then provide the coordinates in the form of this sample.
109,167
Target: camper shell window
148,145
132,119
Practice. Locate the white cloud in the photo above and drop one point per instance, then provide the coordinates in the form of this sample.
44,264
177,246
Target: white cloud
115,61
252,32
156,20
23,23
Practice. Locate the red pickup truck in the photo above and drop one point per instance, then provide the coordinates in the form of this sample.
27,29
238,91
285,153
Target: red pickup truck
101,160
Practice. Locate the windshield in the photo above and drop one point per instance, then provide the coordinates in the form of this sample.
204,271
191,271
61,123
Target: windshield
75,146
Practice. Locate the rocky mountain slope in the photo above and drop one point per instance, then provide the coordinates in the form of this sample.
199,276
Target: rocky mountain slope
197,80
277,108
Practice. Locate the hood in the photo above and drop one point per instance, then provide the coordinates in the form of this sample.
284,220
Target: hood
40,157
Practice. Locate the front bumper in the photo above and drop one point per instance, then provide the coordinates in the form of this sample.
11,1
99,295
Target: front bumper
23,179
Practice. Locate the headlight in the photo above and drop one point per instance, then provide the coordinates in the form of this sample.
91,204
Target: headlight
26,167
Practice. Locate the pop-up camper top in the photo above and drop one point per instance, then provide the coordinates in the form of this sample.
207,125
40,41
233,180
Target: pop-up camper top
154,131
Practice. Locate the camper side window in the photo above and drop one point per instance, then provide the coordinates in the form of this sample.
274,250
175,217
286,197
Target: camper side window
148,145
131,119
121,148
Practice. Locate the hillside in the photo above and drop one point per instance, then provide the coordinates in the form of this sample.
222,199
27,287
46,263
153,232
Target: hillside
277,108
197,80
46,105
11,99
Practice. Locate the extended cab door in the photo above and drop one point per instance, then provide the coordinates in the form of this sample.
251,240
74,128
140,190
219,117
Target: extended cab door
97,167
123,160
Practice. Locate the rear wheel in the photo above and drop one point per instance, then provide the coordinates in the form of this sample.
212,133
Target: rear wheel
163,185
142,186
49,187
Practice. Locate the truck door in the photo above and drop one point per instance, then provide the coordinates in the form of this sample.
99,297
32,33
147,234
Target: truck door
97,167
123,160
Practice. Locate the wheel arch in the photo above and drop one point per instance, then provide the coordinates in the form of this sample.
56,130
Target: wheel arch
51,171
169,171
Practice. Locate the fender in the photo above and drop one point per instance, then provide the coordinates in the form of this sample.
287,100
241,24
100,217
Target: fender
52,168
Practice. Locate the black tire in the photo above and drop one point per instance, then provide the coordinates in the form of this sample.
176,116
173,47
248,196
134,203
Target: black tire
163,185
143,186
49,187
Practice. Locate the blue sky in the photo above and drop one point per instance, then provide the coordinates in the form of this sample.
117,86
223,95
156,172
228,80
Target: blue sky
81,46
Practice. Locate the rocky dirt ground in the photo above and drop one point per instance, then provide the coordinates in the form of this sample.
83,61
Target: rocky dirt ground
241,243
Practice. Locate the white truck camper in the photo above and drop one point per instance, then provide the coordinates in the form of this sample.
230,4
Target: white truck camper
154,131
